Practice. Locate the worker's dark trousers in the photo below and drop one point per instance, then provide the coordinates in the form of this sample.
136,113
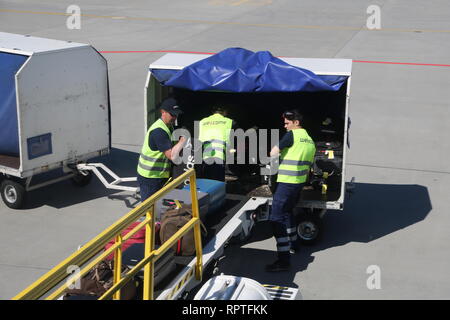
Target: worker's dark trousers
148,186
214,169
282,219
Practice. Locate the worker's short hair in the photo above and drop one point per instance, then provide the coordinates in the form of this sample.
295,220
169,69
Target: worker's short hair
293,115
219,109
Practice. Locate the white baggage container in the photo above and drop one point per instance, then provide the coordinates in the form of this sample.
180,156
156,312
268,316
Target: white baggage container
62,109
329,189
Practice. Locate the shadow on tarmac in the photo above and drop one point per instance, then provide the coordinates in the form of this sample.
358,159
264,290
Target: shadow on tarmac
65,194
372,212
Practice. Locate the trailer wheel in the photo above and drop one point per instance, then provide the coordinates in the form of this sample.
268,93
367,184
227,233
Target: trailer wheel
13,194
309,228
81,180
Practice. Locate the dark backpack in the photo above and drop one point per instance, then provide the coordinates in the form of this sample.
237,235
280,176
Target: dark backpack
172,221
97,281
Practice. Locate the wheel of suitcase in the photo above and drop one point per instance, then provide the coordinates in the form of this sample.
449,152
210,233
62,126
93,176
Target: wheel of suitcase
309,228
13,194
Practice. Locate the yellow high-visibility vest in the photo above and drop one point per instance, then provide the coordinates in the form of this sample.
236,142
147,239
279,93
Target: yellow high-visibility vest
215,131
153,163
296,160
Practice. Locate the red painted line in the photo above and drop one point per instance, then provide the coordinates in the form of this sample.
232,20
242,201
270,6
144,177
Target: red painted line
356,61
404,63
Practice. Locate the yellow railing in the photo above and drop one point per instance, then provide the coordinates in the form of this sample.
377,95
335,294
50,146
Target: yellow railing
50,283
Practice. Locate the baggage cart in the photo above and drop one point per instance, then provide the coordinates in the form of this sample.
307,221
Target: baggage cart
200,81
54,114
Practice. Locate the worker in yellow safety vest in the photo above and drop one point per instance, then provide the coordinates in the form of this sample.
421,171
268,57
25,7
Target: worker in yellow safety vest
297,155
154,167
214,133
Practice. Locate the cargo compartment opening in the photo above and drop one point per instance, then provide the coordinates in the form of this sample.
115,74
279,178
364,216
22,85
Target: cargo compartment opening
9,132
324,119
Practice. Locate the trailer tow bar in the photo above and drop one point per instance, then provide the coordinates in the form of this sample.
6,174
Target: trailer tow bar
115,185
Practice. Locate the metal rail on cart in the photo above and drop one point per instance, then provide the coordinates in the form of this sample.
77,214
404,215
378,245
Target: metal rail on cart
54,283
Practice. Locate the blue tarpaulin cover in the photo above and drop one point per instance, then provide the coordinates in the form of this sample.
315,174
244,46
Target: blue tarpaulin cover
241,70
9,132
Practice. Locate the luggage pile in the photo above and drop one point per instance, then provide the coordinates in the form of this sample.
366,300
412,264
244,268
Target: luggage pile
328,160
170,218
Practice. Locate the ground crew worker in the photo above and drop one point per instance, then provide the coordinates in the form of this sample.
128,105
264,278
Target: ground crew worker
297,155
214,133
154,162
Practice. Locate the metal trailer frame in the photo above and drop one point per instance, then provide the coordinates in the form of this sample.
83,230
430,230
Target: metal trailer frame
84,168
309,222
80,175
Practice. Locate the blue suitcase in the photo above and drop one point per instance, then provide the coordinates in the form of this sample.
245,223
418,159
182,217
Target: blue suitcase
184,196
215,189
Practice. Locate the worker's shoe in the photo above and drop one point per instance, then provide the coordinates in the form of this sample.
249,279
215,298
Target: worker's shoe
295,247
278,266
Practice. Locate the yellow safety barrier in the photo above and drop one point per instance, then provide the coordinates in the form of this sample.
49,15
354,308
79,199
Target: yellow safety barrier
89,253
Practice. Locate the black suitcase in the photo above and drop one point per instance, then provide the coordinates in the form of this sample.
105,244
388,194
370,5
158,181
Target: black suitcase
327,166
324,164
163,266
328,158
335,146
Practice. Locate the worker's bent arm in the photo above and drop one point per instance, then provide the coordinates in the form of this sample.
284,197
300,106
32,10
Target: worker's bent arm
275,152
173,153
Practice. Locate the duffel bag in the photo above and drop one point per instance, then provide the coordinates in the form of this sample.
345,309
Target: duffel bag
172,221
98,280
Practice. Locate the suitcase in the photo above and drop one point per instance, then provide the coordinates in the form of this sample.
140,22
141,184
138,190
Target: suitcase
216,191
334,146
183,196
328,158
138,237
163,266
323,163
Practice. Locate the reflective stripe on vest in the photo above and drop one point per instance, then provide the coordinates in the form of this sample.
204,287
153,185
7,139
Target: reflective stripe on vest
153,163
214,132
211,152
296,160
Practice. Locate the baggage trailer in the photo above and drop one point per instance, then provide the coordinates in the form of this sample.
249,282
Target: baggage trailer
228,78
54,113
326,120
